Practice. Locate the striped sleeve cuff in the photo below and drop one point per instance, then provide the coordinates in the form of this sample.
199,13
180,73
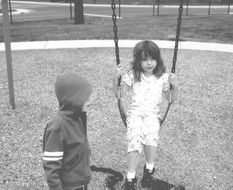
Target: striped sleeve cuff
52,156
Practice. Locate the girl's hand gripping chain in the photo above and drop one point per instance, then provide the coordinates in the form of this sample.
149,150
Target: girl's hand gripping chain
117,82
173,88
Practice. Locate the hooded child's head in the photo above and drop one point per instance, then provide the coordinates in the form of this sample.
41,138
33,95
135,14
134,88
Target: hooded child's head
72,91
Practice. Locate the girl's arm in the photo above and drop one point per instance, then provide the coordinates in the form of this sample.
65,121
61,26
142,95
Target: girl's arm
173,87
126,82
172,92
121,90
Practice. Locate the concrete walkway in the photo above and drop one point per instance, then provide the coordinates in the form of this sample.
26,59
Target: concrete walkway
66,44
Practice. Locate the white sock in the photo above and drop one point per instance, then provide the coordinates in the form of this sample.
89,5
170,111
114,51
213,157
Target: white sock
131,175
150,167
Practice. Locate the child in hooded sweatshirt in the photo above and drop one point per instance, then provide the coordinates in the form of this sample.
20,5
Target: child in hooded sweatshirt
66,152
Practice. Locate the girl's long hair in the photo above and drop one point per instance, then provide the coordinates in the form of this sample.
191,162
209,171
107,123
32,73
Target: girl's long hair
143,50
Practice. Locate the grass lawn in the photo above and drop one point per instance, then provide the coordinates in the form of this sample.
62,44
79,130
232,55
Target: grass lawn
214,28
196,140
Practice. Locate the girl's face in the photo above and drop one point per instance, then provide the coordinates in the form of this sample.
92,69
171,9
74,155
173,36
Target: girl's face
148,65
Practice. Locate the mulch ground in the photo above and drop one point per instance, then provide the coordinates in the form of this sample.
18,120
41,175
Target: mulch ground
196,139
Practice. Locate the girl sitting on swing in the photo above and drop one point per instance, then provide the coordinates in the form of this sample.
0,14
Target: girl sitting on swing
148,81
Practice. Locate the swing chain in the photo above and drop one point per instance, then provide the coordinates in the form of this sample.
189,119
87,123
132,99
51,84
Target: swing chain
119,102
179,21
114,18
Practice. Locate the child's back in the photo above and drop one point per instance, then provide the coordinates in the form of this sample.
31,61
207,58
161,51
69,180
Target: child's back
66,151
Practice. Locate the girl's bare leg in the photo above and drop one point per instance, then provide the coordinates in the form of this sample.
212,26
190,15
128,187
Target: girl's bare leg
150,152
132,160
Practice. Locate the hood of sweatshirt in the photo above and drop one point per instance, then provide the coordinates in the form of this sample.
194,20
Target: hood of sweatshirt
72,91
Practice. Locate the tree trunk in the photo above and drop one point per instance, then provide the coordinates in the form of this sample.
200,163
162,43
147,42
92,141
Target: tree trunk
78,11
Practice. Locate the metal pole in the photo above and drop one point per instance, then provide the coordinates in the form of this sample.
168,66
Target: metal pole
229,5
10,12
6,33
154,7
209,7
119,8
71,15
158,7
187,7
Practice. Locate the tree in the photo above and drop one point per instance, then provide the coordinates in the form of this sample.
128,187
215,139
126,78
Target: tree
78,11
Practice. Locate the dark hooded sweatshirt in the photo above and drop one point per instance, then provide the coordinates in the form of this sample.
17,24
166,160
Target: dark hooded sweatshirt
66,151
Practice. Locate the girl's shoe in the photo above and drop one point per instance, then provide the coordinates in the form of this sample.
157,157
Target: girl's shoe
130,185
147,179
